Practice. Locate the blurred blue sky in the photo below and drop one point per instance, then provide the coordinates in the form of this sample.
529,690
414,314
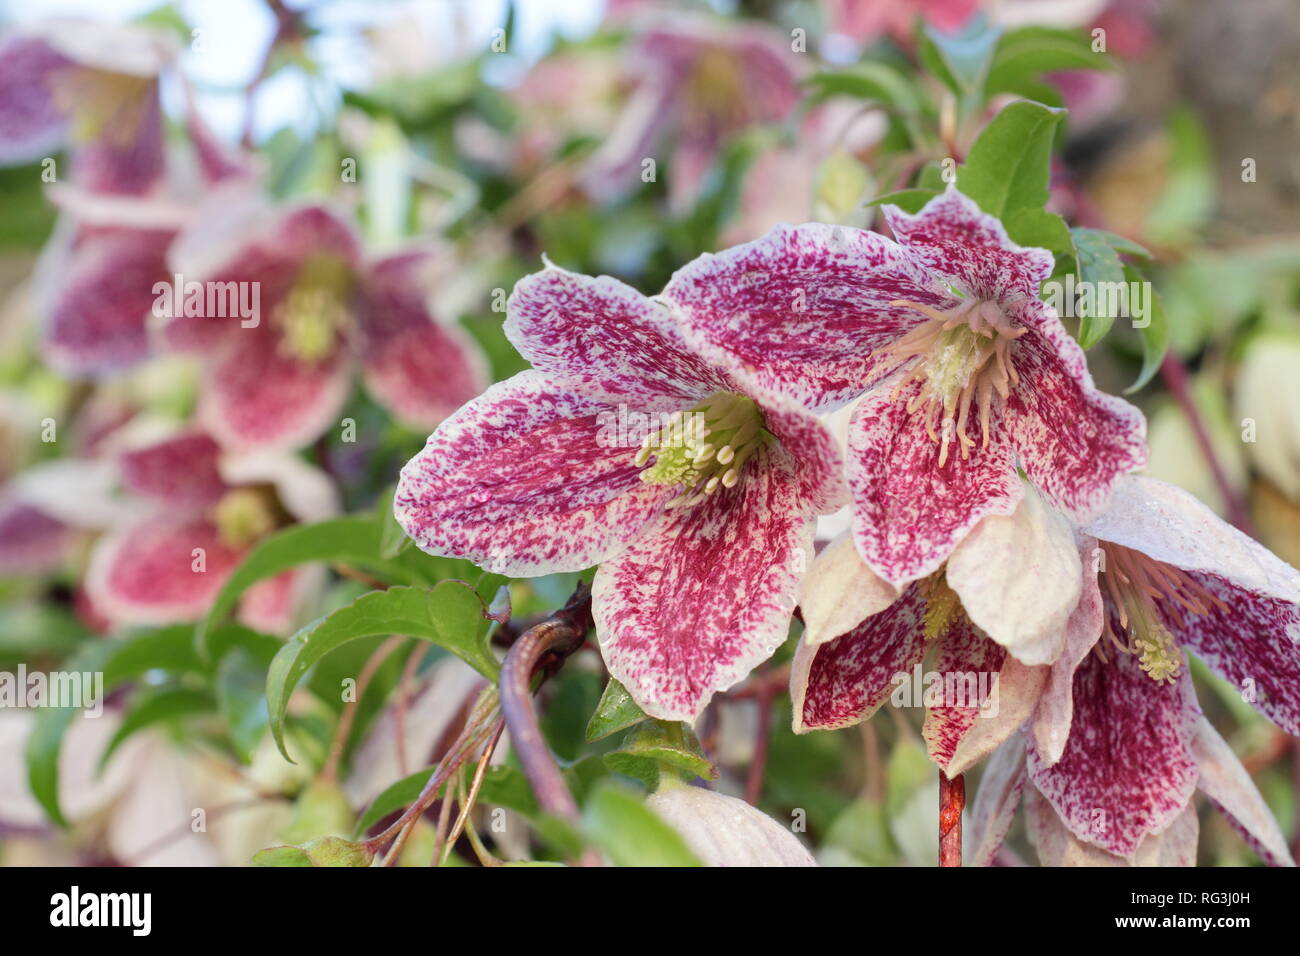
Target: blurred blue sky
235,34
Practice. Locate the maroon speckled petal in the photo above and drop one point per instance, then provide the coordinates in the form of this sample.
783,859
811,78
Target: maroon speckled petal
1128,769
707,593
1073,441
31,542
996,801
805,307
31,124
844,681
606,337
1225,781
523,481
957,239
909,514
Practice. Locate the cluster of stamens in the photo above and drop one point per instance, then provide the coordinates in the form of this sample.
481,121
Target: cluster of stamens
704,448
99,102
1141,593
963,360
316,311
245,515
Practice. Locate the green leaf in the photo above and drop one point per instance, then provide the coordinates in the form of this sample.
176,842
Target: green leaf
616,711
1188,198
325,851
908,200
450,615
621,825
658,745
1038,227
1008,168
352,540
393,539
1154,336
872,81
394,797
154,708
1098,263
1025,54
241,678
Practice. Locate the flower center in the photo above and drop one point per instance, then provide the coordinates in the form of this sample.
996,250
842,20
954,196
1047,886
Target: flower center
704,448
1141,593
963,360
246,515
316,311
715,92
99,102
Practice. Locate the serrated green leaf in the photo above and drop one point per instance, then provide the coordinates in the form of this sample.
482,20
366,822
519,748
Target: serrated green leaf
616,711
629,832
1097,263
450,615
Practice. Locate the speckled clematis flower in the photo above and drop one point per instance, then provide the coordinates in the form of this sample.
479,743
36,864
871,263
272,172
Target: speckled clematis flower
90,86
997,615
198,513
278,376
700,82
695,489
968,375
1114,747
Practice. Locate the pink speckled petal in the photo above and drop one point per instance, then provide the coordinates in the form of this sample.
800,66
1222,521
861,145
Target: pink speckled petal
180,471
706,594
805,307
31,124
908,513
605,337
256,397
31,542
96,319
522,481
987,696
1073,441
146,573
419,368
952,236
845,681
1128,769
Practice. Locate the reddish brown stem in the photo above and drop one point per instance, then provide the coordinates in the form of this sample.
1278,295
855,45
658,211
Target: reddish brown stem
952,800
758,765
1174,374
541,649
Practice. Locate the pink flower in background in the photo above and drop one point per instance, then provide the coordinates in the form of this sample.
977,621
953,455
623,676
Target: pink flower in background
695,489
868,20
700,83
968,375
92,87
197,513
279,363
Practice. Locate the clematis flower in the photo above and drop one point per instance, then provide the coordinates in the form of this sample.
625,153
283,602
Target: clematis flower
968,376
201,513
990,622
280,365
695,489
92,86
700,83
1114,747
